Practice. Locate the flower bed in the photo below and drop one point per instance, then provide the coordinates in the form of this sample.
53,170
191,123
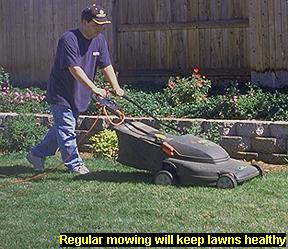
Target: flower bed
192,100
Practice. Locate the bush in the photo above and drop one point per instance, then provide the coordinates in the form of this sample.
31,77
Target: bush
22,100
154,102
183,97
278,107
105,144
4,78
233,102
21,134
211,134
219,107
192,89
254,103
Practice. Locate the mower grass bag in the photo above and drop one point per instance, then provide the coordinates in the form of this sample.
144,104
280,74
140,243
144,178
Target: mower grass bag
186,159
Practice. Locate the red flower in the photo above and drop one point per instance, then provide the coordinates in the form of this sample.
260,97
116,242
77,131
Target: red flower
171,85
234,99
196,70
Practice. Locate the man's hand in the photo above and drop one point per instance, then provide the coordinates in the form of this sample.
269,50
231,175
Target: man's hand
100,91
119,92
110,75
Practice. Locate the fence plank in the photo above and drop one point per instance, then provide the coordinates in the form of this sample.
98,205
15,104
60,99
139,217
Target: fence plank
284,24
2,27
271,30
216,48
259,55
278,33
192,10
264,27
253,33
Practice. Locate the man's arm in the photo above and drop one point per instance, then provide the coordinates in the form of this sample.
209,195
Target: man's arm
110,76
81,76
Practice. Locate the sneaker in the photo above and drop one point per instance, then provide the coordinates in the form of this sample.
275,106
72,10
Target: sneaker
37,162
81,170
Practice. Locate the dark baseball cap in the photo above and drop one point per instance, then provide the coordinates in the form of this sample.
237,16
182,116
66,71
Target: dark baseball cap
96,14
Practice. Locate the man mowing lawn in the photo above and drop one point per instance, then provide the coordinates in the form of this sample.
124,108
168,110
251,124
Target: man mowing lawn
70,87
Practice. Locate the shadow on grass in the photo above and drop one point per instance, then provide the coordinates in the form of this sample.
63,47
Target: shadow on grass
13,171
116,176
6,171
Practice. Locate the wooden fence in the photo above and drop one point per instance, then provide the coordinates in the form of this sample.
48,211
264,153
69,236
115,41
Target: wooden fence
153,38
164,37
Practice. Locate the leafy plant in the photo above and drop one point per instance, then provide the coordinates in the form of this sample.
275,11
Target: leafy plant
22,100
4,78
183,97
254,103
154,102
278,107
195,129
183,90
105,144
211,134
21,133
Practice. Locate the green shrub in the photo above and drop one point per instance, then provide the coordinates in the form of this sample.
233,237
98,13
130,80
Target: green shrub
21,133
32,107
278,107
192,89
254,103
195,129
4,89
105,144
219,107
212,133
235,102
154,102
29,100
4,78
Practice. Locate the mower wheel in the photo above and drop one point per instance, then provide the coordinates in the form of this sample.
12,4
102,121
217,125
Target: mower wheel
226,181
260,169
164,177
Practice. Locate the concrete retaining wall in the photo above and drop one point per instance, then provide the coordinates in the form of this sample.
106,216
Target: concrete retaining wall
260,140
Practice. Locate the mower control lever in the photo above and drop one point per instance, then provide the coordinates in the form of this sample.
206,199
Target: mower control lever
108,104
151,115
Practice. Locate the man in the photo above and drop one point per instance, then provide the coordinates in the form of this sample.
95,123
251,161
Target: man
79,53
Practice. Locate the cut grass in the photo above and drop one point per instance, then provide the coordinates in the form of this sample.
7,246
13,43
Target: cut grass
115,198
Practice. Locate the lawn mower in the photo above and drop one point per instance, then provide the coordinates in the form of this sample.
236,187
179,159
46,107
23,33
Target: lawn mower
175,159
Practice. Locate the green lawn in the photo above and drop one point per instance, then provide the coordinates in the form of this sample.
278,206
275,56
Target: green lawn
116,198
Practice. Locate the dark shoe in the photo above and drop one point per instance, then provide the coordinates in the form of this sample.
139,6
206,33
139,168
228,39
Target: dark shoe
37,162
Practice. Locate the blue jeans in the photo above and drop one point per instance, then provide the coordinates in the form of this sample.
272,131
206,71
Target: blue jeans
61,135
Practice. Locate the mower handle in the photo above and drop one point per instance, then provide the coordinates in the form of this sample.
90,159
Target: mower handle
150,115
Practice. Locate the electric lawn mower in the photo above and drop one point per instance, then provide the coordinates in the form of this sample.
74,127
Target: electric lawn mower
175,159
